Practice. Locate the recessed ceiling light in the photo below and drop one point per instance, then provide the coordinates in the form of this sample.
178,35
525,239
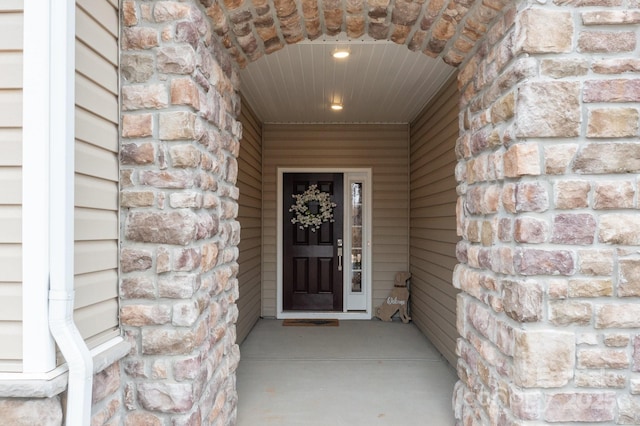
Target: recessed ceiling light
340,53
336,107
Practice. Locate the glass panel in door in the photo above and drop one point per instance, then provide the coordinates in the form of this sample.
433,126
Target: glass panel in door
358,247
356,237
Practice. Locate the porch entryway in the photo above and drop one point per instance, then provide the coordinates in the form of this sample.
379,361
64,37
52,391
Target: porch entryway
359,373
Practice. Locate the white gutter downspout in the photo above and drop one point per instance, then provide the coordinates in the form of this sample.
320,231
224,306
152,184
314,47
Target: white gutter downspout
61,225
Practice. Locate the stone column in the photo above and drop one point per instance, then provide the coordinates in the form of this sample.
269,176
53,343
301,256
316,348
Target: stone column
179,147
549,268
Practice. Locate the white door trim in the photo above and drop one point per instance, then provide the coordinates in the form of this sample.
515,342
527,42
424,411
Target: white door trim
367,280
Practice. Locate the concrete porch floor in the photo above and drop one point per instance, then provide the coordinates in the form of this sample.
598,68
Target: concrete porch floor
359,373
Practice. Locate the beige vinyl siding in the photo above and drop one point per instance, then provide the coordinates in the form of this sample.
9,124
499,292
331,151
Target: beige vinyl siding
96,182
384,149
11,27
250,218
433,220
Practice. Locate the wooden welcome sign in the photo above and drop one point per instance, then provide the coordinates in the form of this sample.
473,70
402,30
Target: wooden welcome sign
397,301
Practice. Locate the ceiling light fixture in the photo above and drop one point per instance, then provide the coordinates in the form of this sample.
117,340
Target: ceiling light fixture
336,107
341,53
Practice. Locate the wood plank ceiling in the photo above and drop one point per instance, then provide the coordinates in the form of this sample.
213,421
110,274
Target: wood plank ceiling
380,82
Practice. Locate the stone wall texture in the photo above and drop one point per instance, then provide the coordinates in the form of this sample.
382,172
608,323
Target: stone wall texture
178,286
31,411
548,165
448,29
549,269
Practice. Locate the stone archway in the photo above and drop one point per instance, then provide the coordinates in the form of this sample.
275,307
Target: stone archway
448,29
548,312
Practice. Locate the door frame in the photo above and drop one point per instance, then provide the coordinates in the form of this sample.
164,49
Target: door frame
367,279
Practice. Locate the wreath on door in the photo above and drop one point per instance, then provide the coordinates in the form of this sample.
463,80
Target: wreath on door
302,213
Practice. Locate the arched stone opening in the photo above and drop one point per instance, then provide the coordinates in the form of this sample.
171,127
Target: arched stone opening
447,29
547,310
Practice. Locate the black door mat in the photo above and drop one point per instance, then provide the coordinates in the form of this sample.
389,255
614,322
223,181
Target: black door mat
311,322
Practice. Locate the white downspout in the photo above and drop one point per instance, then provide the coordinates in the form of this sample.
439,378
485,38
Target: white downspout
75,352
61,225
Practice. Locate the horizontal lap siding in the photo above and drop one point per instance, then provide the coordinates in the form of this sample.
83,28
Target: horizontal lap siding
96,182
250,218
433,221
11,27
384,149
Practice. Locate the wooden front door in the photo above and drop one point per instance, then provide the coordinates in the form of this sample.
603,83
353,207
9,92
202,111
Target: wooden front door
312,269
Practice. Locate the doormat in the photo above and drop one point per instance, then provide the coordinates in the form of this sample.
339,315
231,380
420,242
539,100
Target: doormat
311,322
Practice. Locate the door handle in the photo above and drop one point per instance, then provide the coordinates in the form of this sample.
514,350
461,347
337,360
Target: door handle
339,254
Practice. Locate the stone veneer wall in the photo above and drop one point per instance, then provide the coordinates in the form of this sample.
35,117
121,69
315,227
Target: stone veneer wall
548,211
180,142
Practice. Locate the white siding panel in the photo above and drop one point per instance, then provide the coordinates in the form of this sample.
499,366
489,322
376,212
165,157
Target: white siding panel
11,187
11,66
11,296
96,225
96,131
11,40
91,256
93,34
96,306
11,345
95,287
11,30
98,322
103,13
96,68
97,174
250,218
384,148
96,193
10,224
10,108
10,147
96,99
11,5
433,222
10,263
95,161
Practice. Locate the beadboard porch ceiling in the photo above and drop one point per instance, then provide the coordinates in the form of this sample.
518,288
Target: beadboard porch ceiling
380,82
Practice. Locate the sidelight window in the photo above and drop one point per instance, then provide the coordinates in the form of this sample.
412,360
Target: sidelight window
356,237
358,242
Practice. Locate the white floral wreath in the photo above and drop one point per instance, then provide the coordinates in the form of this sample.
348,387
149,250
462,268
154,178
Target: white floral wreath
303,215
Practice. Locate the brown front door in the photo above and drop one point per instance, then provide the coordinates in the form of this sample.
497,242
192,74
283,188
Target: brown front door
312,273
